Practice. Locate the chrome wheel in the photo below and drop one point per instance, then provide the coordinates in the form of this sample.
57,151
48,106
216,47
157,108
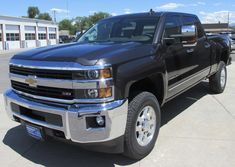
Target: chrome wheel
145,125
223,78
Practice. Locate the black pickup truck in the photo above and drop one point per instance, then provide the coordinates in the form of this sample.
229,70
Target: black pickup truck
105,91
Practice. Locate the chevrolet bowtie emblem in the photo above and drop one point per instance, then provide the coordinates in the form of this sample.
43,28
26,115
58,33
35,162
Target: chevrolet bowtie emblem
31,81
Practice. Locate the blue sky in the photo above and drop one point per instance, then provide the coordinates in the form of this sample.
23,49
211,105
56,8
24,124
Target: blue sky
207,10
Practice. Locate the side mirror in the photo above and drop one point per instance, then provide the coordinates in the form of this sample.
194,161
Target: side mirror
188,34
188,31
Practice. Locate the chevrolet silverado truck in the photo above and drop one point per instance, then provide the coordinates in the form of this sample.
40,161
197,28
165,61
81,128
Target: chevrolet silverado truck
105,91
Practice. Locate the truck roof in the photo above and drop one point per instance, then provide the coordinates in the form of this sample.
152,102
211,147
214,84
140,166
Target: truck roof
146,14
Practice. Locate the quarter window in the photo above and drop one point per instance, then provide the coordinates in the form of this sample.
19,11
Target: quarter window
13,36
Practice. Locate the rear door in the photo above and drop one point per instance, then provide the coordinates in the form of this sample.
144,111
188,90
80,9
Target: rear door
198,52
188,58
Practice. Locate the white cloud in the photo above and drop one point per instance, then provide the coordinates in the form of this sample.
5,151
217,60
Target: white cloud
57,10
219,16
170,6
197,4
201,3
114,14
127,11
202,13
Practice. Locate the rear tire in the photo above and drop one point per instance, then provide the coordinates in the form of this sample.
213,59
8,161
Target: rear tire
143,124
219,79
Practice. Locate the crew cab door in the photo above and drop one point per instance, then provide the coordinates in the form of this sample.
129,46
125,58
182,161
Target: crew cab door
200,51
187,57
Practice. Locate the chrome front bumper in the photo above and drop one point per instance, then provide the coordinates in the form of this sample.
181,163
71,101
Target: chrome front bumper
73,117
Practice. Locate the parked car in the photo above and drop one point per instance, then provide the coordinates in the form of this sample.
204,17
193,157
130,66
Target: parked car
231,36
66,39
223,40
105,91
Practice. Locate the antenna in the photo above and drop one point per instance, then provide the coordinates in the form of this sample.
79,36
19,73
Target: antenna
151,12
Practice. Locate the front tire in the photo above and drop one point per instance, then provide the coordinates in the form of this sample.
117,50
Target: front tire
143,124
219,79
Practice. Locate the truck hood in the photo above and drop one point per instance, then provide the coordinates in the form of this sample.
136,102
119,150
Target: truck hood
85,54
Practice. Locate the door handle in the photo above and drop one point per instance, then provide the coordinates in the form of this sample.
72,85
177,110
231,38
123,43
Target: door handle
191,50
207,45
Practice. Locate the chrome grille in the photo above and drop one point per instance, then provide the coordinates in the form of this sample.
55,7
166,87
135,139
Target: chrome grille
67,94
42,73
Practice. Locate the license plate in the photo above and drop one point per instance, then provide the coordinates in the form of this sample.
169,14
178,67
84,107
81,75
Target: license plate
34,132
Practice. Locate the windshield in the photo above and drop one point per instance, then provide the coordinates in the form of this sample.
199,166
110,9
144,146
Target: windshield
122,30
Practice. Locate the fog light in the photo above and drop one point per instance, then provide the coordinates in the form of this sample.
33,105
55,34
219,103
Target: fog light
100,120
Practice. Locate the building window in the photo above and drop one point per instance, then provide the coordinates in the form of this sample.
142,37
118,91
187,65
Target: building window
12,27
52,29
30,36
29,28
42,36
13,36
42,29
52,36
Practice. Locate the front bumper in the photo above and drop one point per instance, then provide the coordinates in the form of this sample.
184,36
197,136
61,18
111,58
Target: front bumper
73,117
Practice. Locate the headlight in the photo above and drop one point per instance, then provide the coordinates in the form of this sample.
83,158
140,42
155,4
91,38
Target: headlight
99,74
96,84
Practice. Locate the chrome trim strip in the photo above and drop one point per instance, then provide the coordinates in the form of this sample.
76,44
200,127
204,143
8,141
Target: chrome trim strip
66,84
52,65
190,78
67,101
41,123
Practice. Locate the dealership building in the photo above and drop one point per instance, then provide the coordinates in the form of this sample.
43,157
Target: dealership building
17,32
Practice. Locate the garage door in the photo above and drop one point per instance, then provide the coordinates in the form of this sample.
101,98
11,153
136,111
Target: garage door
42,36
52,35
12,37
30,36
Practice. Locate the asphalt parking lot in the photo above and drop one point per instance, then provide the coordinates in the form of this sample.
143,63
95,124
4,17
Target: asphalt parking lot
198,130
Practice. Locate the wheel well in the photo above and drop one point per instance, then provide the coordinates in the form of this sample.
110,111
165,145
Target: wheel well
225,57
147,84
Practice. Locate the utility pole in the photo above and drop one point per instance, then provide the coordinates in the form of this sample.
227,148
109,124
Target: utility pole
228,21
67,8
54,13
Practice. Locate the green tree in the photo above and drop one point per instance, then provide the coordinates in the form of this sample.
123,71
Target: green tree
98,16
44,16
33,11
83,23
67,25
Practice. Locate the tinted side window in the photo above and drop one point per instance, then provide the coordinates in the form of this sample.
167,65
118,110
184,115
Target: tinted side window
200,30
172,26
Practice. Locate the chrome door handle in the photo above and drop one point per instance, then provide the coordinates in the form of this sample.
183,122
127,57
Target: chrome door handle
190,50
